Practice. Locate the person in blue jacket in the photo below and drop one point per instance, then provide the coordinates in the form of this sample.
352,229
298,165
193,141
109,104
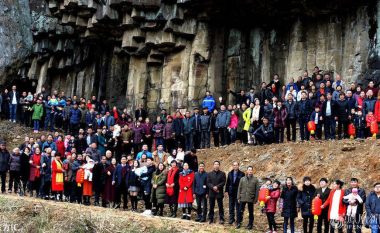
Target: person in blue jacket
208,102
75,116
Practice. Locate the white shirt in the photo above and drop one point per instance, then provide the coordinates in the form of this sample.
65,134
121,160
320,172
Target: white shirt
14,100
255,113
328,108
334,212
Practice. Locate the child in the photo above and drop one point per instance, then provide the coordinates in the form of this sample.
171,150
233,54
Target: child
360,124
316,116
369,119
267,184
271,205
88,169
353,197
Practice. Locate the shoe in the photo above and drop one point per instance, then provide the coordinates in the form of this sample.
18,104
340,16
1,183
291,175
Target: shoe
14,121
231,222
184,216
198,219
249,227
211,221
188,217
221,222
238,226
9,191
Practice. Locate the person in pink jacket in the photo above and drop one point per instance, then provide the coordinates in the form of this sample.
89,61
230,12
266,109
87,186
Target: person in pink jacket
232,128
271,205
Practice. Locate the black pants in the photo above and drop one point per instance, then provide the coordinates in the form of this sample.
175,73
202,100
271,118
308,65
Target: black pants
24,185
244,136
35,185
205,139
169,145
289,221
3,180
121,190
67,187
224,136
149,142
78,193
212,207
250,212
263,139
136,149
127,147
45,187
308,224
291,129
148,204
323,221
271,222
329,124
233,206
305,135
279,134
197,139
14,178
342,129
201,206
74,129
215,135
354,223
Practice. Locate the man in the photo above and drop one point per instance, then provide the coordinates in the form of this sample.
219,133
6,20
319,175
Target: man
328,115
14,101
188,131
94,153
4,164
232,185
239,98
25,106
120,180
222,122
104,107
45,173
99,179
205,121
355,222
371,86
372,206
109,120
91,137
160,156
215,182
140,112
127,137
291,117
265,133
75,116
200,193
49,144
323,193
208,102
247,194
197,129
49,114
90,118
303,110
342,112
144,151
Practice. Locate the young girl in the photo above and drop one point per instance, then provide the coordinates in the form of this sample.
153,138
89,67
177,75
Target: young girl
134,185
271,205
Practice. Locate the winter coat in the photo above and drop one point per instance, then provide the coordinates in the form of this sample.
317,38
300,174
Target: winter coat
164,159
24,166
239,99
118,175
168,131
268,112
369,105
360,122
303,108
187,125
38,111
209,103
109,121
15,162
241,121
205,122
234,121
45,171
94,154
247,118
271,205
186,179
200,183
342,110
342,206
231,185
280,116
372,209
34,172
138,134
178,127
159,193
146,180
51,145
289,197
248,189
196,123
291,109
218,179
223,119
333,107
158,130
90,118
304,199
360,206
75,116
4,160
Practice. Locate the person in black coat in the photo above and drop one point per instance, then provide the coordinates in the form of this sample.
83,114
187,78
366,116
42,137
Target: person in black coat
99,178
289,210
304,200
4,164
197,130
120,180
342,112
140,112
177,128
80,144
233,179
303,111
191,159
24,169
240,97
357,221
328,115
216,180
323,193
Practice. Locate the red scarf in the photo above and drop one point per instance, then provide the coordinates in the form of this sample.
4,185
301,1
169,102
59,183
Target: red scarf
170,180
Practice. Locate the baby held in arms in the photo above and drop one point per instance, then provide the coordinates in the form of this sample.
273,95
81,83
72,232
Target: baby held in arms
352,198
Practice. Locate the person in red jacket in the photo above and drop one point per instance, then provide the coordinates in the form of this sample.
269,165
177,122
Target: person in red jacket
185,198
57,176
271,205
337,208
60,146
377,108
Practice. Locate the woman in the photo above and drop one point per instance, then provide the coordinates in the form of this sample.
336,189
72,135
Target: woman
159,189
280,114
304,199
68,177
234,121
108,195
185,198
34,172
14,170
134,185
377,108
158,133
102,141
24,170
172,188
271,205
289,209
115,113
57,177
87,186
60,146
337,209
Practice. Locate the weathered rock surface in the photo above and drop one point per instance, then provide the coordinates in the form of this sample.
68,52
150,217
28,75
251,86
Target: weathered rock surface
167,53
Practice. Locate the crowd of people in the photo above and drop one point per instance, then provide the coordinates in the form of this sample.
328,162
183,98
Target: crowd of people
102,156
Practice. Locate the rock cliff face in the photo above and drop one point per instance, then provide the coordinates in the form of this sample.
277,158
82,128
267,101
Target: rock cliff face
167,53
